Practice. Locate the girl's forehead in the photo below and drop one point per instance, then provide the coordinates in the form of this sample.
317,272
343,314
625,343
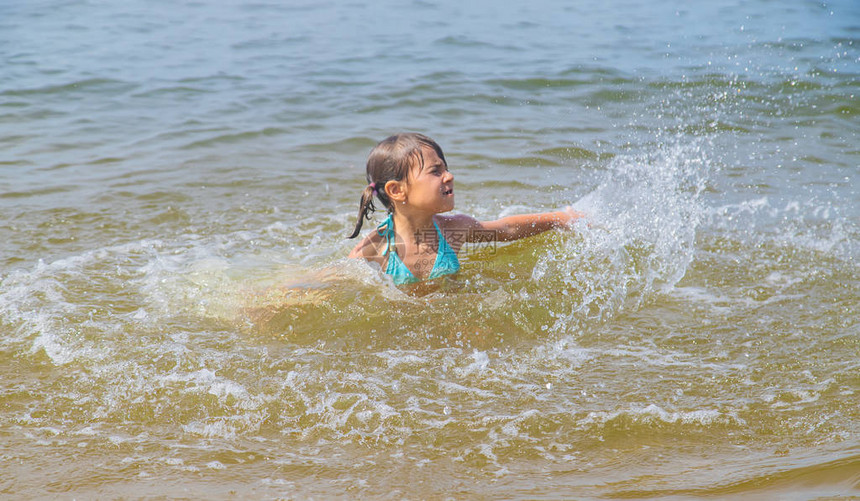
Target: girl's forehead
423,158
428,157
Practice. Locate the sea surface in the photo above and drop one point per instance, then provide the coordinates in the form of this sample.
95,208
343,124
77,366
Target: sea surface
178,318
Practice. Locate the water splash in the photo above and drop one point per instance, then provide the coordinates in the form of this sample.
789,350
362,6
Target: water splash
643,215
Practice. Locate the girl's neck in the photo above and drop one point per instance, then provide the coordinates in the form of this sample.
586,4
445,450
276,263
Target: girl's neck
412,224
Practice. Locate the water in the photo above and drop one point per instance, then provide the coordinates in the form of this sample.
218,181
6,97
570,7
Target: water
177,318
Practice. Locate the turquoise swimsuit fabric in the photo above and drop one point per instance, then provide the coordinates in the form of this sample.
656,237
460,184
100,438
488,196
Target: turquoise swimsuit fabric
446,259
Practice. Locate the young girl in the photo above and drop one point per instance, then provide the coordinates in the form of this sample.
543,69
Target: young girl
409,175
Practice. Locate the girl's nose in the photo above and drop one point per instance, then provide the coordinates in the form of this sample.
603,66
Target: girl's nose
448,176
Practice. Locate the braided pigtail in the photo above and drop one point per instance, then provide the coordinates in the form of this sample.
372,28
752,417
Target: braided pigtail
366,207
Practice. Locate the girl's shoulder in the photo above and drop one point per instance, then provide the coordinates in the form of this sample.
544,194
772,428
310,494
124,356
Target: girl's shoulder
456,222
370,247
457,229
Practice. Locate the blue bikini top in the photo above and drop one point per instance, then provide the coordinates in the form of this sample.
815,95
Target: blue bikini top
446,259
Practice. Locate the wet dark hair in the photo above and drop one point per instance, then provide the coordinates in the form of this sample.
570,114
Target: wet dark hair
390,160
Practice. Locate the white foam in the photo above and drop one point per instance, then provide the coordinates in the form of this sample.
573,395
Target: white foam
59,352
718,303
565,350
655,413
396,358
207,381
51,304
453,388
810,224
480,362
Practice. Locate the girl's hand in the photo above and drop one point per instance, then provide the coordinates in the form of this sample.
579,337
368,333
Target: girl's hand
574,216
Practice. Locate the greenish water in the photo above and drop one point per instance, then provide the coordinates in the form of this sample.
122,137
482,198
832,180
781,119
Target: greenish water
178,319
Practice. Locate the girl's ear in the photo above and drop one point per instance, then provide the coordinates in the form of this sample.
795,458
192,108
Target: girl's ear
396,190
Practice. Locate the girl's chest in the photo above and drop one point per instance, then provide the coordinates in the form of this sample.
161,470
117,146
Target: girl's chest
419,258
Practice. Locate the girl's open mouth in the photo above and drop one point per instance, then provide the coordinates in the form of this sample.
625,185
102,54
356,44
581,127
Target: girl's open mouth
448,191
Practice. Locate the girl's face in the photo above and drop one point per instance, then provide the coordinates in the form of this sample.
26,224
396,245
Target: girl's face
430,188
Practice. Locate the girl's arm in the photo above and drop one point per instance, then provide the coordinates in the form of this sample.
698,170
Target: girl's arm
526,225
511,228
370,248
